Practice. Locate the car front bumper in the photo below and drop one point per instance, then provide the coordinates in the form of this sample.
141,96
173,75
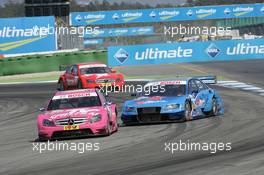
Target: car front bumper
114,85
57,132
152,118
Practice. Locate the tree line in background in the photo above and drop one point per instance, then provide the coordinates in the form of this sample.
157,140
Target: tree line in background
220,2
12,9
105,5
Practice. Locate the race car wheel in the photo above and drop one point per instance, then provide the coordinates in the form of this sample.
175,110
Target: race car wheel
61,84
42,139
214,111
116,127
108,129
116,124
80,86
187,112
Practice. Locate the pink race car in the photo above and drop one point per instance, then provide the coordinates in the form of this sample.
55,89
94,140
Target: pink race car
77,113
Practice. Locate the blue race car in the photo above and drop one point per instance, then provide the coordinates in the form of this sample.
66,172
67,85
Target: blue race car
169,100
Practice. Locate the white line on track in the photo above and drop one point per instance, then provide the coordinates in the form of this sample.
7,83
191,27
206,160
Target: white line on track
252,88
241,86
228,84
30,82
260,90
224,82
231,84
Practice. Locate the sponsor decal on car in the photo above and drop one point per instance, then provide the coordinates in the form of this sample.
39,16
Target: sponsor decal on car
75,95
172,82
71,127
92,65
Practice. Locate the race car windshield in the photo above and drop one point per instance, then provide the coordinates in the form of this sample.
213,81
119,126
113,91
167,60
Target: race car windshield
167,90
95,70
71,103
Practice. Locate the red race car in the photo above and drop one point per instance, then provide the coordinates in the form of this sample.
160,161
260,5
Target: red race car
90,75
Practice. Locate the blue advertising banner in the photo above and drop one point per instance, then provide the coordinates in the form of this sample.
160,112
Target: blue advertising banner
93,42
119,32
25,35
186,52
166,14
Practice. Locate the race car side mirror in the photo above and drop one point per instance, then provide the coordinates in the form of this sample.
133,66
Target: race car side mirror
41,109
108,103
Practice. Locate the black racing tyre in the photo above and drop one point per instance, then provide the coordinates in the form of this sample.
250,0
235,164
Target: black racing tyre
187,111
116,113
214,110
79,85
108,129
61,85
42,139
116,126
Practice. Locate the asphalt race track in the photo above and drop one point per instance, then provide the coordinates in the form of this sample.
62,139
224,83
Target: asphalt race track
134,149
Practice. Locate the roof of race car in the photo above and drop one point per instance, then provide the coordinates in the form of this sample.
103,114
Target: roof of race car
91,64
75,94
176,81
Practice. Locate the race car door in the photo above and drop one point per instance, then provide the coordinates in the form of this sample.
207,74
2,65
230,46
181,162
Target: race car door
198,94
203,95
72,77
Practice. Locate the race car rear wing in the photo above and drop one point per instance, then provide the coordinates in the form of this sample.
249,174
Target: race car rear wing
207,79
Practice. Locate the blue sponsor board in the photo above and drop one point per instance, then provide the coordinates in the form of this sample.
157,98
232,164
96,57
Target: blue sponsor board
186,52
25,35
166,14
93,42
120,32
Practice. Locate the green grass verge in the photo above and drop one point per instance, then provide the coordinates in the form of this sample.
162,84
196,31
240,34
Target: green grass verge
48,63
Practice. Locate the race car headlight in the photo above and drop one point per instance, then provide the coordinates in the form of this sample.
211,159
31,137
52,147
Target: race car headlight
172,106
48,123
130,109
96,118
90,81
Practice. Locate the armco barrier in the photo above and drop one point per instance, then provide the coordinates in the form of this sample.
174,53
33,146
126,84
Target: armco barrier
34,64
